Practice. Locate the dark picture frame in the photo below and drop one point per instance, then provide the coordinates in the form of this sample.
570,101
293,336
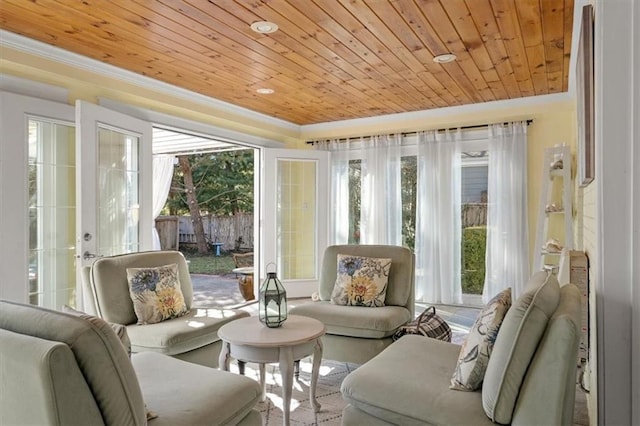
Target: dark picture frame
584,88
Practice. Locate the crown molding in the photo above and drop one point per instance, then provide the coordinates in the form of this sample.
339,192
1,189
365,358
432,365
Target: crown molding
53,53
397,120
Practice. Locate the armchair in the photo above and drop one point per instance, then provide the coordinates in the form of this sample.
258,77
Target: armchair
356,334
192,337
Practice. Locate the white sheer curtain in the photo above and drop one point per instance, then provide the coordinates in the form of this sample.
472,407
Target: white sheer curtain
438,220
507,256
339,158
162,175
381,202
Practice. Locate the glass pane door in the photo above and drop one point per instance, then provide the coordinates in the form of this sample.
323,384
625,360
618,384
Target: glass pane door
118,195
37,205
52,212
294,217
114,181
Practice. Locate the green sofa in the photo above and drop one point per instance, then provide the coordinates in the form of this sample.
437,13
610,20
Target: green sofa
530,378
64,369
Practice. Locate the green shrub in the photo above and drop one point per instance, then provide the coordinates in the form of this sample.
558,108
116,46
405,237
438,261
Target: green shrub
474,242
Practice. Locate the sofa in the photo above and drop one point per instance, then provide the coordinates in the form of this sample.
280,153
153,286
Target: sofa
192,337
59,368
354,333
529,380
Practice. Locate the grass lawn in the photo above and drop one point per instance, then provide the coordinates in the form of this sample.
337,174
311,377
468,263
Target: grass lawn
209,264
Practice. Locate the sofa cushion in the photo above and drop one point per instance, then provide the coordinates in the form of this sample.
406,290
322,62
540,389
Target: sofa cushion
477,347
408,384
108,280
552,371
516,343
119,329
361,281
355,321
178,335
401,274
41,384
156,293
98,352
222,398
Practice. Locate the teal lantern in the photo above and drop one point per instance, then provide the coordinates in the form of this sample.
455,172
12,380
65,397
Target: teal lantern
272,301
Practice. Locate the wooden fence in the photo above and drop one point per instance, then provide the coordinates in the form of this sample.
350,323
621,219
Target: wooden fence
235,233
474,214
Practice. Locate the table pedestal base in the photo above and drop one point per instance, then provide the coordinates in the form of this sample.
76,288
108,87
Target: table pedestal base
287,358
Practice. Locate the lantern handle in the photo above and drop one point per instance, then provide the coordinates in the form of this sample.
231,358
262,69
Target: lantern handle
266,268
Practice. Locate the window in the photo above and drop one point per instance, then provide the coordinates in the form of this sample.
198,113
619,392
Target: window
475,170
474,173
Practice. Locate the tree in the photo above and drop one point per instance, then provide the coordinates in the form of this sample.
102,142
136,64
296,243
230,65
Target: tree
409,185
192,202
223,184
219,183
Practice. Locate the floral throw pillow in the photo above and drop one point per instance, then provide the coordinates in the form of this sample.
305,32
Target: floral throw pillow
475,352
156,293
361,281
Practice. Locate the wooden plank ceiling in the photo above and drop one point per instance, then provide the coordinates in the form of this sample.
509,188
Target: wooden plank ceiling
330,59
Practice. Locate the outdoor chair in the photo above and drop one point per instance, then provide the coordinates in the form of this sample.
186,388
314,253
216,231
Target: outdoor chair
243,260
356,333
192,337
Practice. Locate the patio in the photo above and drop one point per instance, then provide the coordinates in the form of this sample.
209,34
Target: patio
216,290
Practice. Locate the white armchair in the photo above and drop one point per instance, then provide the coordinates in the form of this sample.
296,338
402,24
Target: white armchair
192,337
354,333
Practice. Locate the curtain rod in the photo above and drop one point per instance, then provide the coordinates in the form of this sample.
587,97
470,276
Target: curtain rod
415,132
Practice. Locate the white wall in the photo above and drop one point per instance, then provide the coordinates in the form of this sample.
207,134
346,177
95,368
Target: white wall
617,282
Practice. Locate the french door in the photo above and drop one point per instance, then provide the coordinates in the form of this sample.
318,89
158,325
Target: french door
37,202
294,217
74,185
114,185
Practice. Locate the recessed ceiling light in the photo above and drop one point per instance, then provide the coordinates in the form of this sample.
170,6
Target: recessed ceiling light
265,91
264,27
446,58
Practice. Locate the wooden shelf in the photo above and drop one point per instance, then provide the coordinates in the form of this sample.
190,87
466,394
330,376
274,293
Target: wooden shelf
555,193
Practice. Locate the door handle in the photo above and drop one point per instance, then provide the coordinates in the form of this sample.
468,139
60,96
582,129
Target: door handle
86,255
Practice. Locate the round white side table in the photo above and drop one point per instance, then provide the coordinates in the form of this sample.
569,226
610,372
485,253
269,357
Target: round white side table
248,340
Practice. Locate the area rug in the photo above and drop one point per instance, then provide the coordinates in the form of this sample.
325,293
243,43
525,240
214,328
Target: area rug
327,393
